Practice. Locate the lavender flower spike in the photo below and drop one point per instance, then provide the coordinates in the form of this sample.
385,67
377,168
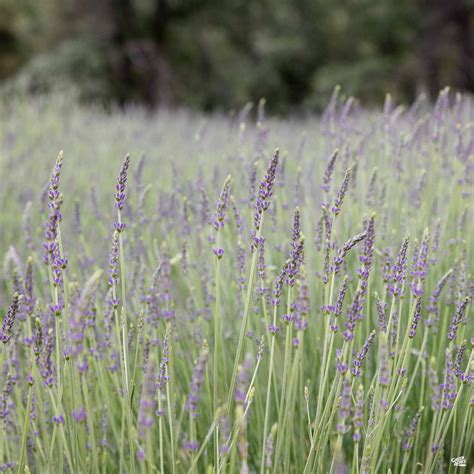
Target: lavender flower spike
361,355
9,320
357,420
53,192
384,373
113,260
420,266
433,308
265,190
221,205
399,270
457,319
345,405
163,375
416,319
329,171
343,251
449,384
336,209
121,184
381,311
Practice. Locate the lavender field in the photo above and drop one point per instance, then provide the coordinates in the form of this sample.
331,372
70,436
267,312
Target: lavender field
240,294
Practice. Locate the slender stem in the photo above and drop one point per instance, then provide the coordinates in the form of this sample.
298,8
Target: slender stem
243,326
25,431
217,335
267,402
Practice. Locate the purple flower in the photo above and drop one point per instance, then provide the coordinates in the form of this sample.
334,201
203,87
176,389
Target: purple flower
367,255
340,297
79,414
221,205
459,359
83,366
191,445
449,385
457,318
353,315
336,209
345,406
113,260
288,318
381,312
296,231
339,258
416,319
420,266
341,366
46,362
273,328
433,309
357,419
384,370
52,253
327,246
120,226
261,268
218,252
58,419
121,184
359,358
399,271
163,374
265,190
9,319
278,285
328,174
294,262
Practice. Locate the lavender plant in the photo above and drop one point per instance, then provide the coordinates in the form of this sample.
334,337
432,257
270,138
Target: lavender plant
317,319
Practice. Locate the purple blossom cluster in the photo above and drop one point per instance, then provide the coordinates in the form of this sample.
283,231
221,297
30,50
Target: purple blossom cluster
122,184
359,358
265,190
420,266
89,382
345,406
343,251
52,251
398,272
9,319
221,205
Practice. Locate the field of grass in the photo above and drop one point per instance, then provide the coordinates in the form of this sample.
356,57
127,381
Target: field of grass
241,293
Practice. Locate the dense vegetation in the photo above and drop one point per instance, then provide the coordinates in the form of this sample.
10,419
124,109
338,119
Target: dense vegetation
217,304
220,54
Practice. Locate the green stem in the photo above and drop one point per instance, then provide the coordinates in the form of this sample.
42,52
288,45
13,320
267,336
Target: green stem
25,431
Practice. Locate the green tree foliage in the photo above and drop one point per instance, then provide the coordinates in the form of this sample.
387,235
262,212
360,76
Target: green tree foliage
223,53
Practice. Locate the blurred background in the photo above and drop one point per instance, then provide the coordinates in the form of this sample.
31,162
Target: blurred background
210,54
